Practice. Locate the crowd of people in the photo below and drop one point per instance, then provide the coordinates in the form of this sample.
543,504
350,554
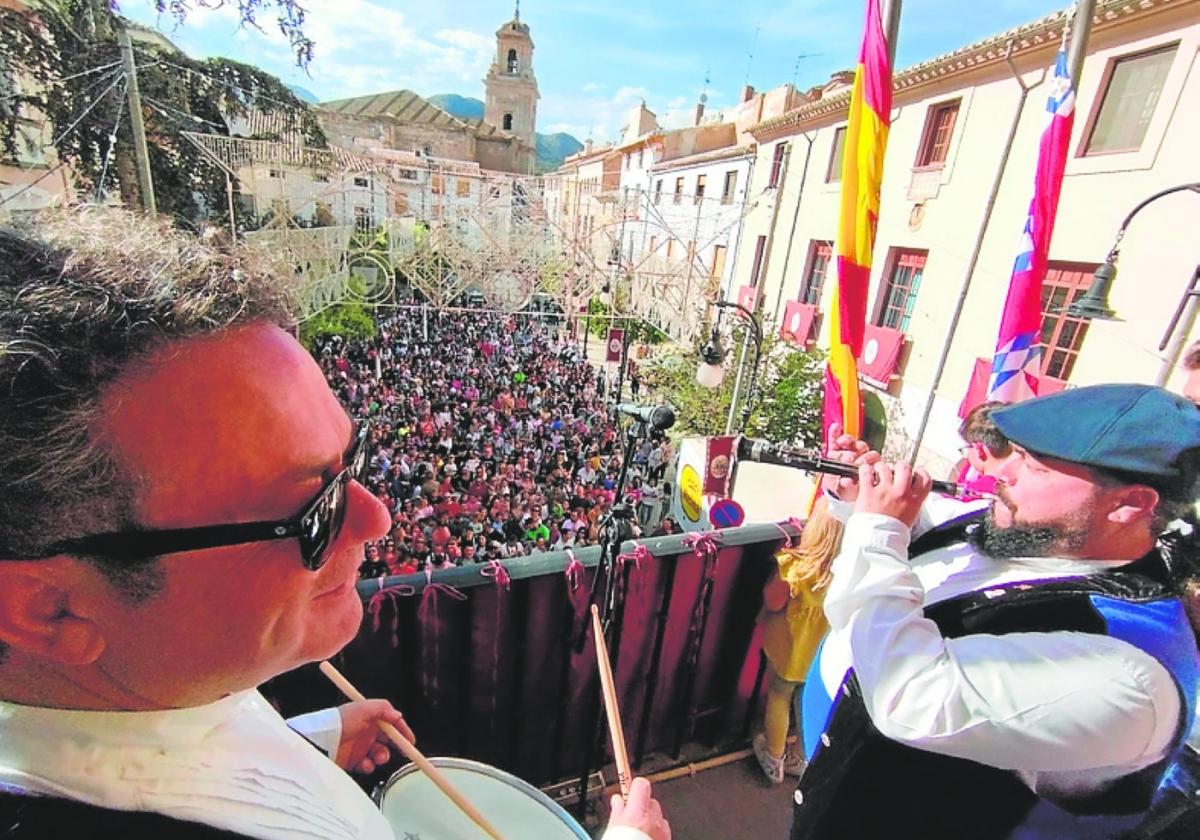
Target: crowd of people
490,437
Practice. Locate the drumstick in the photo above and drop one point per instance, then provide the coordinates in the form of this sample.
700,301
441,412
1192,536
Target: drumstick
414,755
608,689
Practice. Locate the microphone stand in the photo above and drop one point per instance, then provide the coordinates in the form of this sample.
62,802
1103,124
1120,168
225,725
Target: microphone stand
616,529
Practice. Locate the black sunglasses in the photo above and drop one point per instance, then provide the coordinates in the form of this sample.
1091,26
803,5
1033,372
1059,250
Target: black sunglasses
317,525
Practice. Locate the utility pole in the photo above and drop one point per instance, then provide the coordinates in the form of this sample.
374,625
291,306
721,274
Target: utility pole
136,125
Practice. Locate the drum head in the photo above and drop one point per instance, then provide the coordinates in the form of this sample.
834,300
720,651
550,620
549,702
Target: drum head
418,810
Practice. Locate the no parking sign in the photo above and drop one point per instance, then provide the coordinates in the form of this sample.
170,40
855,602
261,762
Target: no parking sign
726,514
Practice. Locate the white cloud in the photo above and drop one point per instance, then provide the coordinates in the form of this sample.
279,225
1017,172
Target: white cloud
592,87
630,94
677,113
590,114
471,42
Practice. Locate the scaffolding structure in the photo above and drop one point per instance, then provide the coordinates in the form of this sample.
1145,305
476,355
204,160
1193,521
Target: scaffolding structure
444,227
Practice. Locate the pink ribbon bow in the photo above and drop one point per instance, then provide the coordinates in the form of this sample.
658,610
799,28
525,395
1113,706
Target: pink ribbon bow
639,553
706,544
495,569
428,602
790,541
392,594
573,571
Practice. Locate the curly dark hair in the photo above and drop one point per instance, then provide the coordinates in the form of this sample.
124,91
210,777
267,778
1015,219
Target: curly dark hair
85,294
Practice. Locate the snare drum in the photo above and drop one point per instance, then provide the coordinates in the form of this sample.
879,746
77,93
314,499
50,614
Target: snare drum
415,807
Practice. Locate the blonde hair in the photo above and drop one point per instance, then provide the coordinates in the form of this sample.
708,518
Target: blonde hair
808,566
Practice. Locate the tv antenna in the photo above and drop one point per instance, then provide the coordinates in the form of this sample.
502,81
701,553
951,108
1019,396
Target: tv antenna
799,58
750,55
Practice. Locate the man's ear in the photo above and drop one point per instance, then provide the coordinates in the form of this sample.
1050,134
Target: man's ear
36,619
1133,503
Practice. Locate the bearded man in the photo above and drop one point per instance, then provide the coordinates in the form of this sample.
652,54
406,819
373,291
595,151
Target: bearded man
1028,669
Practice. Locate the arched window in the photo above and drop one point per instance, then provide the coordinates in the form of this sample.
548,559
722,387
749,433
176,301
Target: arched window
512,61
507,122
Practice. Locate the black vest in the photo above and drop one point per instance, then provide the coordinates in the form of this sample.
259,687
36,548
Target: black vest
860,785
32,817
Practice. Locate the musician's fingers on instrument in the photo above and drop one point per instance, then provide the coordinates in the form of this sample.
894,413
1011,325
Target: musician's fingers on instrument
866,475
400,723
835,432
884,473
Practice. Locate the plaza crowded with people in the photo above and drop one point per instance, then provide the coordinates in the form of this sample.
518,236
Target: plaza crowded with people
490,438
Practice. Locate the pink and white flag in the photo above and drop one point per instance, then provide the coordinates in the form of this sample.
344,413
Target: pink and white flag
1016,366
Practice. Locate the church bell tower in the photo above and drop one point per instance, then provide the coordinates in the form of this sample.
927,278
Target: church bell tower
512,92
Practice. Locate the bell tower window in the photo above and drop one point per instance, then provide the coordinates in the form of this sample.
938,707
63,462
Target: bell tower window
512,61
507,122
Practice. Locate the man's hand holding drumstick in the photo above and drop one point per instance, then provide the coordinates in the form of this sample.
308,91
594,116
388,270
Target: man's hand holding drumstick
633,806
364,746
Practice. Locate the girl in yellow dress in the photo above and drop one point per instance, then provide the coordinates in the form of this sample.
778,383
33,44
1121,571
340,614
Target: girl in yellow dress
793,626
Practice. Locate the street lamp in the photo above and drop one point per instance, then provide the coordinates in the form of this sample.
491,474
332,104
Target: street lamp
712,362
1094,303
712,355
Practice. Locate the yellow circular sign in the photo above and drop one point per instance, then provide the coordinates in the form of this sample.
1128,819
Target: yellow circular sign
690,492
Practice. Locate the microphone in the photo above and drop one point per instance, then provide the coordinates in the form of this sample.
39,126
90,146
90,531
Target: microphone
659,416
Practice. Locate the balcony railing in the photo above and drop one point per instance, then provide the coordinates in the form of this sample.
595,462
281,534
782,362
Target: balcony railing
495,661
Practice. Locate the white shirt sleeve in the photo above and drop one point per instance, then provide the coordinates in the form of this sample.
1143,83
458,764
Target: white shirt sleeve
623,832
323,728
1023,701
935,510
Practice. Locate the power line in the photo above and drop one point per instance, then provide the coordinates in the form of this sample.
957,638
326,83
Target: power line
55,141
112,142
230,85
162,108
74,76
87,110
90,71
30,186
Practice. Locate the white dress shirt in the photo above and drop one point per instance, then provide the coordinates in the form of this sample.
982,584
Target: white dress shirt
234,764
1068,712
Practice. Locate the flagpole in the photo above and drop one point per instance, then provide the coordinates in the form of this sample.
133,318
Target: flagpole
1081,31
1080,28
891,28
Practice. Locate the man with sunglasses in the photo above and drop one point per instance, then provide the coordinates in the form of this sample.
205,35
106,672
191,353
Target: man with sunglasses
181,519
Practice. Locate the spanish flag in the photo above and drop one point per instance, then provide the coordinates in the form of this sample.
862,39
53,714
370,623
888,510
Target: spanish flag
862,174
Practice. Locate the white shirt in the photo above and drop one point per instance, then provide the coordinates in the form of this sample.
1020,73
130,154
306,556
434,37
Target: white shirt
234,764
1067,712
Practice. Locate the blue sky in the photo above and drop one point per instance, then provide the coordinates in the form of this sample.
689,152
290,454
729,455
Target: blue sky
594,59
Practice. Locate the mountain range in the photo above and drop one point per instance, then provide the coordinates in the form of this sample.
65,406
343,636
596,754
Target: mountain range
552,149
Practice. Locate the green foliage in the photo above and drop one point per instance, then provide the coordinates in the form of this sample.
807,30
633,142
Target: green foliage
52,53
638,330
349,320
788,407
698,410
